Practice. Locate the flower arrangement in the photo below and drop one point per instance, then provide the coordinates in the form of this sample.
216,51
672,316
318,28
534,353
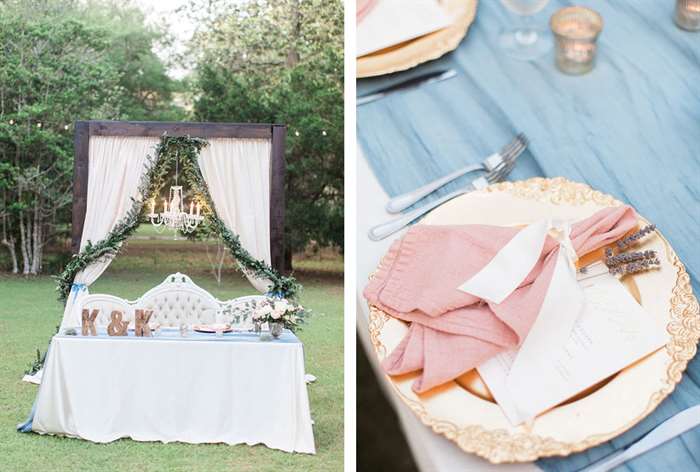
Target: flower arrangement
279,310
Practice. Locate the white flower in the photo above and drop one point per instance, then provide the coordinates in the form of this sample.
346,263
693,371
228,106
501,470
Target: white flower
261,311
276,315
281,306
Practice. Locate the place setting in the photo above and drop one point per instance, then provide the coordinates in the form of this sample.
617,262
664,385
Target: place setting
414,53
526,319
421,30
452,323
515,308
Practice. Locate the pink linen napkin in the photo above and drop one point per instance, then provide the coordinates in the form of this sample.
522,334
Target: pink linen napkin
451,331
363,7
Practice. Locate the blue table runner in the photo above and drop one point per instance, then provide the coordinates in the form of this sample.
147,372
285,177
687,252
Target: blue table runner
173,334
630,128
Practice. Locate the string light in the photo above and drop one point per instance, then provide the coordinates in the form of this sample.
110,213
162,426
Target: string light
324,132
296,133
12,122
38,125
66,127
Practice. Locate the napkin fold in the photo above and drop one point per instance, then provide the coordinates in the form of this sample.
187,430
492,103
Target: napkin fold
451,331
363,7
385,23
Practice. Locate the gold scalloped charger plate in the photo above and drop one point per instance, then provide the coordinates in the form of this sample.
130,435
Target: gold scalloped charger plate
462,410
425,48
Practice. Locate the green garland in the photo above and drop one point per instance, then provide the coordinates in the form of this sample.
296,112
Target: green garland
168,150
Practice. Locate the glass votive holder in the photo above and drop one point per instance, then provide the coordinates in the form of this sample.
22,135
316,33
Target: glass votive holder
184,330
576,31
687,14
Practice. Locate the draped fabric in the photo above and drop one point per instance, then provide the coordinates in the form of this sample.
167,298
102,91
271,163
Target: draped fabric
452,331
233,390
116,165
237,173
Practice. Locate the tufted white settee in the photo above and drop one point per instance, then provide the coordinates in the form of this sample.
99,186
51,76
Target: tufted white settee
175,301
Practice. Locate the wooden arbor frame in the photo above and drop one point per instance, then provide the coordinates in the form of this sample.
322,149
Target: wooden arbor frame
276,133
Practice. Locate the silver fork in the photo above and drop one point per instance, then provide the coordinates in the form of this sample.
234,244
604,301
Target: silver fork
383,230
509,152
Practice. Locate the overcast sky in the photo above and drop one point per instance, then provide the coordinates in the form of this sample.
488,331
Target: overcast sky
179,25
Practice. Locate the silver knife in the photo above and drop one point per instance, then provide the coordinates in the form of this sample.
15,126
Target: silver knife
414,82
669,429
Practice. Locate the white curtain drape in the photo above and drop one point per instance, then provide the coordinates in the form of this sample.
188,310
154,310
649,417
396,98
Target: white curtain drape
116,164
237,173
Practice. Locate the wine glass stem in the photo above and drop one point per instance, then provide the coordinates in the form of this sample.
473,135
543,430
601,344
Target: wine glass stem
526,34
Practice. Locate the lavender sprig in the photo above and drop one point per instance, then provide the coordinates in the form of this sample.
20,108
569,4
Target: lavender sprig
635,267
635,237
631,262
627,257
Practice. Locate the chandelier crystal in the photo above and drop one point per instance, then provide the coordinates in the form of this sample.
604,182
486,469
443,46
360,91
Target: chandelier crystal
173,215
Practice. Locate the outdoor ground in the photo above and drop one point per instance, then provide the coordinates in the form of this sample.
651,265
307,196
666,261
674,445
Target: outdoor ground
29,314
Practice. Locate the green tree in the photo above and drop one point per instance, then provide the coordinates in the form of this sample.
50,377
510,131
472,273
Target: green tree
281,62
146,91
61,62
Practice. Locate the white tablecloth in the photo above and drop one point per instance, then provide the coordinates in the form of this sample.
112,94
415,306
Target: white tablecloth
431,451
200,389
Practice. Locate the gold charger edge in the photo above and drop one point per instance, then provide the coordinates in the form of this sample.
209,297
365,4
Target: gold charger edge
417,51
502,446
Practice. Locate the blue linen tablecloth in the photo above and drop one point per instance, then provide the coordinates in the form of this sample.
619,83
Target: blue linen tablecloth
630,128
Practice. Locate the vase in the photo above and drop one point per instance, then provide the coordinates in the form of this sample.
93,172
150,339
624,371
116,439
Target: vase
257,327
276,329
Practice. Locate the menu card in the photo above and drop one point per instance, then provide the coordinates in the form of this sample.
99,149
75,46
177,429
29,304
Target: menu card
392,22
611,332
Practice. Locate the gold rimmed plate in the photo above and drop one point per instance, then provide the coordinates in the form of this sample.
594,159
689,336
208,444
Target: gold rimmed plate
211,328
464,411
425,48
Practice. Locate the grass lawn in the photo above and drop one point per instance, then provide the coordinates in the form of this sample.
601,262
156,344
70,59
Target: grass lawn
29,314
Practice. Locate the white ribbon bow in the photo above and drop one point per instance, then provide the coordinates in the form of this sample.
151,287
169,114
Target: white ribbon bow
560,308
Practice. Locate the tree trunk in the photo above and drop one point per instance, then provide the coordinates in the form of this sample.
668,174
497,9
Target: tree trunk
9,243
217,263
36,240
293,53
23,243
220,254
287,269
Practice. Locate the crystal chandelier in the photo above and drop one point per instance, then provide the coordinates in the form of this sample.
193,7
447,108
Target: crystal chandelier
173,215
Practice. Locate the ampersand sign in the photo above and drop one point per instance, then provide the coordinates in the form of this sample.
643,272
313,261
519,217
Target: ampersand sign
88,322
141,322
117,327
